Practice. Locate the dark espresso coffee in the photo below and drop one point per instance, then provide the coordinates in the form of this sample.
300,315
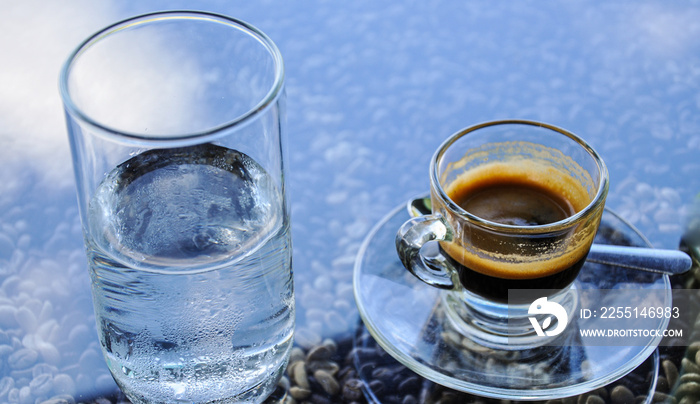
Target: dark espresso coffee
496,289
516,204
489,264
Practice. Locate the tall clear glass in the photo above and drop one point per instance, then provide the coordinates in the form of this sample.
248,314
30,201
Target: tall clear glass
175,121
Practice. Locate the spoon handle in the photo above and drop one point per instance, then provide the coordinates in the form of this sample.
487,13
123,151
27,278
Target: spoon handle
671,262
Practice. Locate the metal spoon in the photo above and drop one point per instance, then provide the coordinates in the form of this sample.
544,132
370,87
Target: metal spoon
670,262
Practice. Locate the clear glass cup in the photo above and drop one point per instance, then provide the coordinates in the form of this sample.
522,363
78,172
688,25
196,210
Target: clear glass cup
515,207
175,122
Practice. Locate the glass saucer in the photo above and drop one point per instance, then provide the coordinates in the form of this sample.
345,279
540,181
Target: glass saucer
406,318
385,380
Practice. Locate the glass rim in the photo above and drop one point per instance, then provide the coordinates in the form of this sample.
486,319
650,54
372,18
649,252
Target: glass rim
273,94
594,205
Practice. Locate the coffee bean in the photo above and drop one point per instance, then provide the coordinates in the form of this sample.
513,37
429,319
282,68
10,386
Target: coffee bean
49,353
602,392
323,283
448,397
452,338
697,358
343,306
362,353
586,368
622,395
688,388
63,384
13,395
690,377
6,350
409,400
91,359
300,376
22,358
6,384
25,395
582,398
384,374
352,390
11,284
326,365
663,398
284,383
409,385
299,393
687,366
327,382
59,400
348,372
306,338
662,385
41,385
319,399
331,345
297,354
671,372
320,352
594,399
377,386
694,346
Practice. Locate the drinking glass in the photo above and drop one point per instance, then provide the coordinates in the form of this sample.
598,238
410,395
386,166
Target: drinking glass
515,207
175,121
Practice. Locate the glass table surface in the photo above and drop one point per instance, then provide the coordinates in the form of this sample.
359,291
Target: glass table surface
372,90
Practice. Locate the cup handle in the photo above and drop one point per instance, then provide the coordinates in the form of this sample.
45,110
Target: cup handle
412,236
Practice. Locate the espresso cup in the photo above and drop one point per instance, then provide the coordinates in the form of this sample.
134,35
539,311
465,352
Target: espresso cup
515,206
